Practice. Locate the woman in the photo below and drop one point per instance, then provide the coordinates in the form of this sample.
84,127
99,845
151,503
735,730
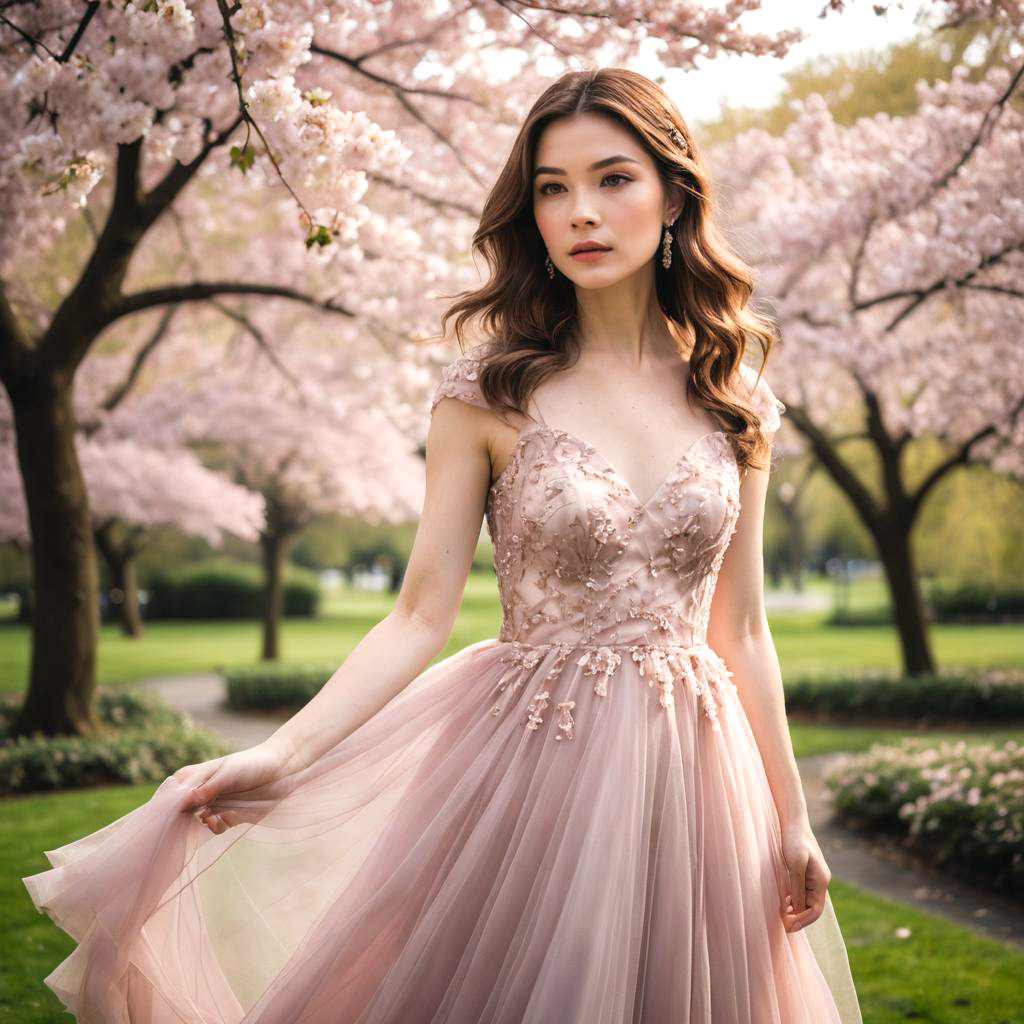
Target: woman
595,818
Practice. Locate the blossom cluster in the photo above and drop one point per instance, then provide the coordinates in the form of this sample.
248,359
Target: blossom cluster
960,802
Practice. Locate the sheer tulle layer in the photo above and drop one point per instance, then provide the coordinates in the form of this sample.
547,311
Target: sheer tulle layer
447,863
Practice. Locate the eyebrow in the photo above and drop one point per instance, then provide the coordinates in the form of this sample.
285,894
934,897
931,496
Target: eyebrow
618,158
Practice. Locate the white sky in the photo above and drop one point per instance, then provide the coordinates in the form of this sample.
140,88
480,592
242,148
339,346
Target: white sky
756,81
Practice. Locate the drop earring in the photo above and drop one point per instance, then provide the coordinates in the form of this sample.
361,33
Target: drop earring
550,267
666,249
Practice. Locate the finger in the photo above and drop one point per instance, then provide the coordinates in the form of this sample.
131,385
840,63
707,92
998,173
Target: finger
797,888
205,791
795,920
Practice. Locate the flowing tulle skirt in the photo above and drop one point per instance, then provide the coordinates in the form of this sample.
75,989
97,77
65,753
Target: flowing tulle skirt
444,863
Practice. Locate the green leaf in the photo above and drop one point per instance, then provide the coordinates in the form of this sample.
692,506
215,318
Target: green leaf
243,158
320,235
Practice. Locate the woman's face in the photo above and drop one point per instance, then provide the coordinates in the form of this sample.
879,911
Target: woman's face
580,194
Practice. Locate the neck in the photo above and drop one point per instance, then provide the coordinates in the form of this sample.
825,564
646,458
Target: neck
623,322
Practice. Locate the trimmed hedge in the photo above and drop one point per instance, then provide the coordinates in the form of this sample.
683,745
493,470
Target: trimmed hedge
956,695
964,602
971,602
226,590
960,805
147,740
275,686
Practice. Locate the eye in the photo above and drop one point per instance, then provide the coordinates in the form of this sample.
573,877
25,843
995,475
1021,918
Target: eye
614,174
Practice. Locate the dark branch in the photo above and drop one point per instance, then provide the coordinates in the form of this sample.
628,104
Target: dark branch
987,124
258,336
961,456
119,393
201,290
824,449
397,44
438,203
15,347
165,191
400,92
997,289
356,64
91,8
31,40
918,296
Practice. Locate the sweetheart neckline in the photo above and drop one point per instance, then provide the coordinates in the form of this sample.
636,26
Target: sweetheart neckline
537,428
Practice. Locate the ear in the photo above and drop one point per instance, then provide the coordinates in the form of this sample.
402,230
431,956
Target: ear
673,205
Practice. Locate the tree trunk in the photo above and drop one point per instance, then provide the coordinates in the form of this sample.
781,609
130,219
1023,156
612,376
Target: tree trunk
65,619
124,593
896,552
794,543
274,544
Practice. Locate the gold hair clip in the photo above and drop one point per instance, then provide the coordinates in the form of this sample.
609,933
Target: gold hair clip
677,137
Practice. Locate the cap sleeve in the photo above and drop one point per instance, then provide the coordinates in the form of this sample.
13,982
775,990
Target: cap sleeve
763,400
460,379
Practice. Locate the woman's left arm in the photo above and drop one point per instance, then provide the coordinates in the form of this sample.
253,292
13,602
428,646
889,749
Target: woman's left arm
738,631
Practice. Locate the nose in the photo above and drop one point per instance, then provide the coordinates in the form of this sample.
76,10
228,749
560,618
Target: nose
582,214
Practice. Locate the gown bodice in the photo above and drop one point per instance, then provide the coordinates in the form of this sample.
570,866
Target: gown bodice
580,559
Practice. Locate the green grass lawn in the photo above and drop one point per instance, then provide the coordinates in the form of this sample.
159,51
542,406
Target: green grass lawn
804,644
941,973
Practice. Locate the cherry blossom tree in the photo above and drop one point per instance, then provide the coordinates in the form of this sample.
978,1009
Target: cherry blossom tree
134,491
892,252
157,153
311,434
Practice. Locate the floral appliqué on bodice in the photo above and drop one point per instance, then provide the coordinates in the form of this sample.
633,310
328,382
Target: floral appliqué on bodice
588,571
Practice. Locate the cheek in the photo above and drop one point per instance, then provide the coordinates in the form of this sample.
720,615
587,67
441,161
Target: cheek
639,206
543,217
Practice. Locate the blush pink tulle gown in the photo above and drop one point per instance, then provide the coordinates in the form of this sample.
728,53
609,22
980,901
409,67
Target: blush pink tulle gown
568,824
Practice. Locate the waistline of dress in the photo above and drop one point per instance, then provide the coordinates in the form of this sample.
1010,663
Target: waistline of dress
627,644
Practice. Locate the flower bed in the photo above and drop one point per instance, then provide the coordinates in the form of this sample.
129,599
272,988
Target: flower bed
145,739
960,805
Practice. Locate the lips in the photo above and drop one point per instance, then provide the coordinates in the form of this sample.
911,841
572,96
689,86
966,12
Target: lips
588,247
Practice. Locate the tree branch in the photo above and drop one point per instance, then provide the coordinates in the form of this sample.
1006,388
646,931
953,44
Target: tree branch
15,347
920,295
438,204
837,468
165,191
258,336
119,393
400,94
961,456
356,64
987,124
200,290
90,9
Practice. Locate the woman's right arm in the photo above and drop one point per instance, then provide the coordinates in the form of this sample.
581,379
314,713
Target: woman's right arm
402,644
406,640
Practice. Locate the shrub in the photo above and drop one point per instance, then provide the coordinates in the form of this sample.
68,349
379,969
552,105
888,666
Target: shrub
953,695
227,590
145,740
275,686
959,804
972,602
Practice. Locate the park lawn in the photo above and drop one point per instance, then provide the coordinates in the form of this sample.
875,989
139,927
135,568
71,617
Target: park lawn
812,739
942,973
805,645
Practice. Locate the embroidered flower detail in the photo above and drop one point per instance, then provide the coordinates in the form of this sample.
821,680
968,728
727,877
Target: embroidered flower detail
536,709
704,690
662,676
602,661
565,724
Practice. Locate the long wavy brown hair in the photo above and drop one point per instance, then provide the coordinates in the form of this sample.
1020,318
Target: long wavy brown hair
529,318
